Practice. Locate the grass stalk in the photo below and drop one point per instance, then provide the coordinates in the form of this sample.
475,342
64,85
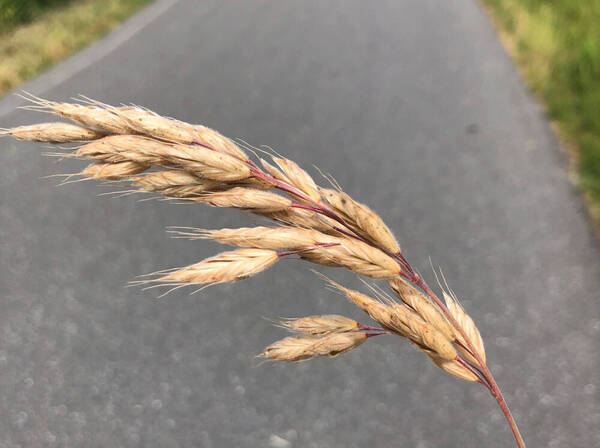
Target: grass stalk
187,162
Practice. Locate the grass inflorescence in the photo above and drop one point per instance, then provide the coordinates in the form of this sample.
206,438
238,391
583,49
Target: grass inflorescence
324,226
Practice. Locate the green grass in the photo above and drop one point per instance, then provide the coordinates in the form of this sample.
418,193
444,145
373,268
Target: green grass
35,34
556,44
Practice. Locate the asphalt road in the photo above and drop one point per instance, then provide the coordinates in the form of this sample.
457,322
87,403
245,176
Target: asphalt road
417,111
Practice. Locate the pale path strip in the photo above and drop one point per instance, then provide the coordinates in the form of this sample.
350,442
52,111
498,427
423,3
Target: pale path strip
416,110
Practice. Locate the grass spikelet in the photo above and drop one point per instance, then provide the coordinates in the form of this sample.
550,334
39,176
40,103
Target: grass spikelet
357,256
113,171
247,199
146,122
402,321
421,332
149,123
53,133
274,238
225,267
299,348
294,175
469,328
175,183
94,117
365,219
320,325
380,313
211,138
303,218
453,367
196,159
429,312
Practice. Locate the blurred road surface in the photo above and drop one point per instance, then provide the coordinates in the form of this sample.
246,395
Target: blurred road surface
417,111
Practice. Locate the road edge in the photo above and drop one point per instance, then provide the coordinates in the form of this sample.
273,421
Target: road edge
79,61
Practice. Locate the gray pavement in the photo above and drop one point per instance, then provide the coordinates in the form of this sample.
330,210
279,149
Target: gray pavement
417,111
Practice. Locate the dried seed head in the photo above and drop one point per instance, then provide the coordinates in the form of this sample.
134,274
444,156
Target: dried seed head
380,313
94,117
468,326
402,321
320,325
113,171
363,218
222,268
428,311
298,348
149,123
201,161
292,174
122,148
52,133
357,256
421,332
453,367
175,183
303,218
212,139
153,125
275,238
247,198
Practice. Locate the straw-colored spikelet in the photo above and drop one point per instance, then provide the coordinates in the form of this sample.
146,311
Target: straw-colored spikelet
222,268
113,171
149,123
365,219
199,160
95,116
146,122
453,367
422,306
304,218
402,321
299,348
275,238
211,138
247,199
52,133
292,174
357,256
320,325
468,326
174,183
421,332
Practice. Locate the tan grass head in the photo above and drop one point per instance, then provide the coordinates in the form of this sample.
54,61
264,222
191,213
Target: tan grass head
225,267
357,256
320,325
165,156
419,303
113,171
274,238
363,218
299,348
53,133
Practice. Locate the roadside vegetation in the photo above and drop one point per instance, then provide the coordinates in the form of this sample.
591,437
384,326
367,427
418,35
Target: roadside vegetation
556,45
35,34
